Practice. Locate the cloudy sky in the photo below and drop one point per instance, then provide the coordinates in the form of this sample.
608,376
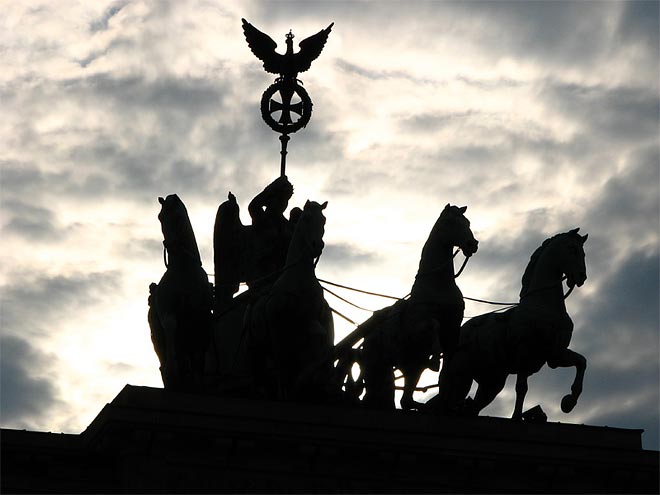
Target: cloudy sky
540,117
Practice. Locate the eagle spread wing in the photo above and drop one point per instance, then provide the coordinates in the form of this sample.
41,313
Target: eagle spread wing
263,47
310,49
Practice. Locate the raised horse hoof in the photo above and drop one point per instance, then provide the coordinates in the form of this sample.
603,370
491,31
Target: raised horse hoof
568,403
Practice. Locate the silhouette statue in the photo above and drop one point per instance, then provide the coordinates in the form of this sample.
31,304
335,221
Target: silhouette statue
521,340
256,253
412,333
180,305
290,329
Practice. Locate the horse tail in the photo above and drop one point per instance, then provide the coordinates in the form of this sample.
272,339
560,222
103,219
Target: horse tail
157,335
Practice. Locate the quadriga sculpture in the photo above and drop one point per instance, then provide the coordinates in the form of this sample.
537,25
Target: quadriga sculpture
521,340
411,334
290,332
180,305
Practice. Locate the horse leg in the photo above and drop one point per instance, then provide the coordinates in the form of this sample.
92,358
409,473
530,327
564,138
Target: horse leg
170,368
379,385
315,375
411,378
454,383
521,392
566,359
487,390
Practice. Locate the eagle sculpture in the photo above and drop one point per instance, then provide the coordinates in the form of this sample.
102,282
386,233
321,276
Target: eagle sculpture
290,64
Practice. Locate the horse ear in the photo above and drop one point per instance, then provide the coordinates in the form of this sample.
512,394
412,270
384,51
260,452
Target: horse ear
324,205
463,209
447,206
575,230
161,200
306,204
584,238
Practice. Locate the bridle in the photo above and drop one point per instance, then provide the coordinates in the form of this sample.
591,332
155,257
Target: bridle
166,248
445,264
550,286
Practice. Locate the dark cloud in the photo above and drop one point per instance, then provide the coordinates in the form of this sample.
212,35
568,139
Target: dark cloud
640,22
506,255
24,179
432,122
101,24
141,249
493,84
625,310
626,213
28,389
31,304
617,114
633,192
186,117
381,74
556,32
31,222
189,96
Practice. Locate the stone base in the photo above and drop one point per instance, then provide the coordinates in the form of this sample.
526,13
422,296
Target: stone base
151,441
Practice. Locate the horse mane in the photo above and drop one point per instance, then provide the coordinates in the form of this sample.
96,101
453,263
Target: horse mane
302,227
192,240
179,213
536,255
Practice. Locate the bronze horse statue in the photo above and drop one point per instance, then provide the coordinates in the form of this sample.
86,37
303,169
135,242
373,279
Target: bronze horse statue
411,334
521,340
180,305
290,328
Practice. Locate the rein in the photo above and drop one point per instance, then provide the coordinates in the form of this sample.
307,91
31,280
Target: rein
184,251
462,267
444,265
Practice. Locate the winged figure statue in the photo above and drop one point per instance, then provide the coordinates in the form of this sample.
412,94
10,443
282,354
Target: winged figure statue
290,64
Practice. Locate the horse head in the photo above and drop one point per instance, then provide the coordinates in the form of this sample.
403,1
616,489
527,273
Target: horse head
178,234
571,257
307,241
456,229
565,253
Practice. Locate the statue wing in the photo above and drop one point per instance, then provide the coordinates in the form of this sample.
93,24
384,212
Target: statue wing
311,48
263,46
227,243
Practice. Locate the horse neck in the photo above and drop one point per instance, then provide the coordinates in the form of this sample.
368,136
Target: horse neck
298,276
299,263
178,257
545,287
436,265
185,253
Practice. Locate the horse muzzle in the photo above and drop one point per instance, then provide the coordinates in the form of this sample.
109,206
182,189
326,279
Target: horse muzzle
470,247
576,280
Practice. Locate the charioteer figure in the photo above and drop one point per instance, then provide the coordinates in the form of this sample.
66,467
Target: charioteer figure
271,231
253,254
